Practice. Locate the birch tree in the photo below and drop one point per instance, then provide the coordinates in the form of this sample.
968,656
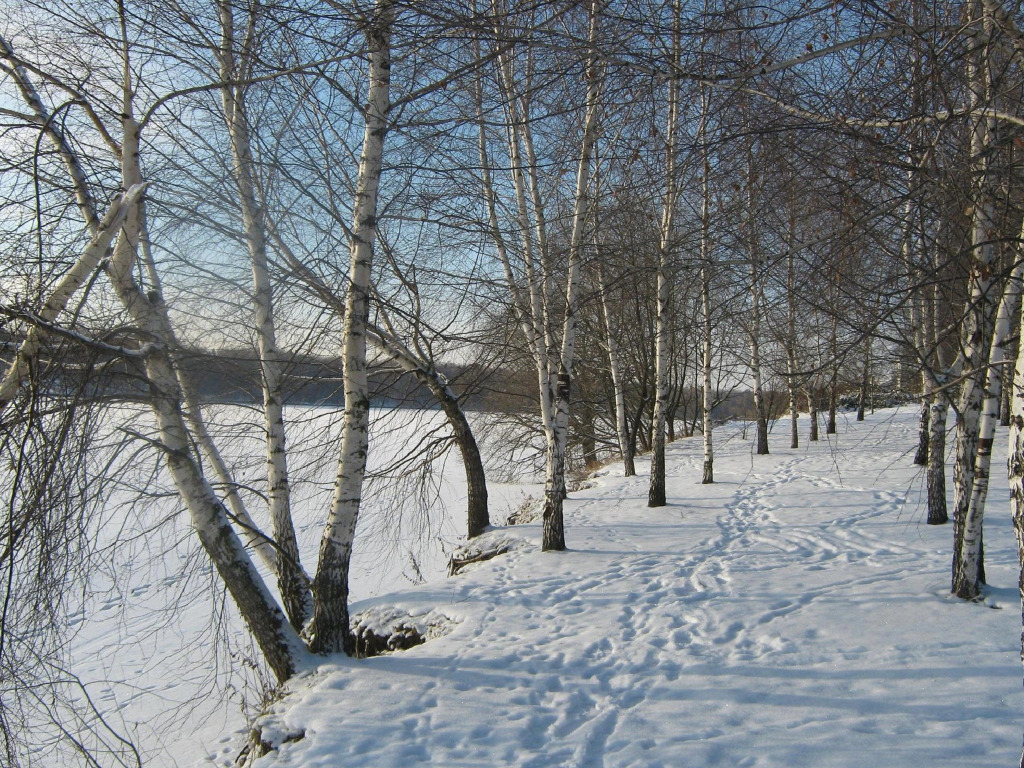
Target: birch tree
967,581
148,313
656,493
707,394
331,632
292,581
982,290
552,343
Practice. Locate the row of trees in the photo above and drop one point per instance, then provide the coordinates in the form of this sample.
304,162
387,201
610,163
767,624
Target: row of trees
644,205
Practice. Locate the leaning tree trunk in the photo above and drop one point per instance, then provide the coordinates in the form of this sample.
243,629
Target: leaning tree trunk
477,517
331,630
86,264
278,641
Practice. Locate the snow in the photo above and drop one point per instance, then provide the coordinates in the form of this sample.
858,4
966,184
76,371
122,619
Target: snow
164,655
795,613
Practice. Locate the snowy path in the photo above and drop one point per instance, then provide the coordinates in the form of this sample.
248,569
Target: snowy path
792,614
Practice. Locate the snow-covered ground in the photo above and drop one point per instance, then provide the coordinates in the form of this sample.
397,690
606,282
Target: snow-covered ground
793,614
163,654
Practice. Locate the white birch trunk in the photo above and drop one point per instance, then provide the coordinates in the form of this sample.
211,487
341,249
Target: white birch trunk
253,537
540,331
331,630
830,424
937,408
791,338
754,323
554,526
621,427
83,197
278,641
291,580
981,309
1015,472
656,492
967,582
610,336
707,393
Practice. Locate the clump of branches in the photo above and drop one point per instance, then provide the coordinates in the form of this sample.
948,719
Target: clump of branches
47,525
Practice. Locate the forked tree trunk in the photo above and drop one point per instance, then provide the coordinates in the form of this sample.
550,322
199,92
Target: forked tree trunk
278,641
531,303
981,309
621,426
967,581
254,538
331,630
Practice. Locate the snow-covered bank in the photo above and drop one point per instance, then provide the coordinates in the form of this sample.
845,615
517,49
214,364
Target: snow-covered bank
162,652
793,614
